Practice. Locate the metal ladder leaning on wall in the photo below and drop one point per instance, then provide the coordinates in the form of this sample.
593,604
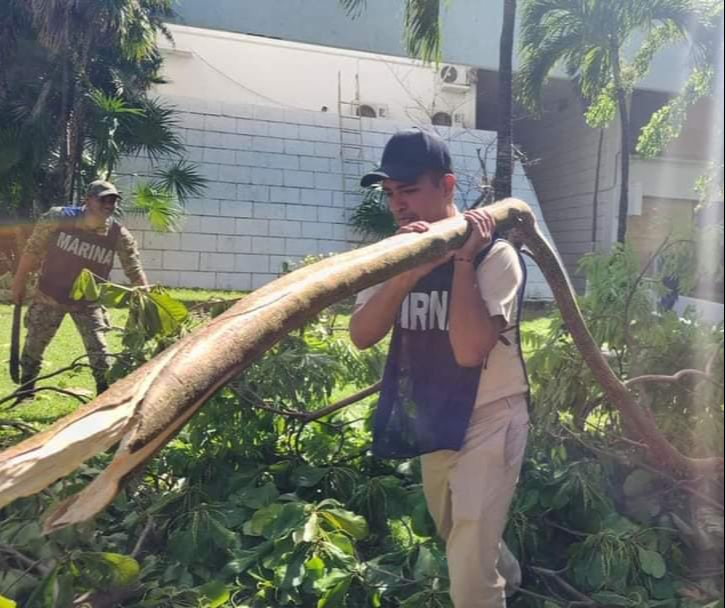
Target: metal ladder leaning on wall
352,152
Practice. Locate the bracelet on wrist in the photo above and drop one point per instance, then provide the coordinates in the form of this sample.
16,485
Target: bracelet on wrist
459,259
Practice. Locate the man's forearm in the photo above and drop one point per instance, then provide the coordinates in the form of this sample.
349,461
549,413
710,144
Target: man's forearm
130,259
139,280
371,322
472,330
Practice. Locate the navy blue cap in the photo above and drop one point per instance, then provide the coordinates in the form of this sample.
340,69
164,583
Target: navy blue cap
407,155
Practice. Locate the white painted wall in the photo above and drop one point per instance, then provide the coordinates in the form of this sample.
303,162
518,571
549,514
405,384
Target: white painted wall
563,152
282,184
233,68
563,155
666,178
705,311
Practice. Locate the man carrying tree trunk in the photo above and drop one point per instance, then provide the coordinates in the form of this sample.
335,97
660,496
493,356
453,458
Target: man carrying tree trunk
66,241
454,389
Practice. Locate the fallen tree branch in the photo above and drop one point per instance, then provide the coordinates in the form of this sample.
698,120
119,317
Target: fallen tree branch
307,417
25,561
683,484
579,598
343,403
138,548
18,425
143,412
677,378
18,396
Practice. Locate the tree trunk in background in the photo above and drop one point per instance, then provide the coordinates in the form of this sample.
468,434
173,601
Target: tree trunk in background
626,137
505,151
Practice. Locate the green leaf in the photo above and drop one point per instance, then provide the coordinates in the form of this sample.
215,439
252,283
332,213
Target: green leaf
257,497
221,536
170,312
597,571
291,517
85,287
245,559
652,563
214,594
294,570
428,565
115,569
261,520
182,547
335,597
114,296
343,543
354,525
306,476
54,591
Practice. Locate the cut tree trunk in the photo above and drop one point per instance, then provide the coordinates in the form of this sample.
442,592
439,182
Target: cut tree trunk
143,411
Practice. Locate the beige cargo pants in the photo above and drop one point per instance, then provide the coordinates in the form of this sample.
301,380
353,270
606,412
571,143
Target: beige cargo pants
469,494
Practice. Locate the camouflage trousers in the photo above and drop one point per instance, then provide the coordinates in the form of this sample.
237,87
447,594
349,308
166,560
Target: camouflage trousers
43,320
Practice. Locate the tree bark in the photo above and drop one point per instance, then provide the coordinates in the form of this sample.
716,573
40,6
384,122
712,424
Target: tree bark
143,411
505,150
626,136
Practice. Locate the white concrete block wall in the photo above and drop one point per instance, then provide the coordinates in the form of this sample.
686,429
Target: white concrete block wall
277,192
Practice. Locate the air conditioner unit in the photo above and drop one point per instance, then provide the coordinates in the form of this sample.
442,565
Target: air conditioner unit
455,78
459,119
371,110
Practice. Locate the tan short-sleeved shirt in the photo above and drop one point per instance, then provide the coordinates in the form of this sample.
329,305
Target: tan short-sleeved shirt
500,279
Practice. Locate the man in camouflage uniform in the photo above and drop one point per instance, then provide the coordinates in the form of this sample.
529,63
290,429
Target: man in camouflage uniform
66,241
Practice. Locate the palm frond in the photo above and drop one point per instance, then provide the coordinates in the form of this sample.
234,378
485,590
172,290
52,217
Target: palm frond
107,112
10,148
593,72
537,64
157,205
354,8
372,218
182,178
154,132
423,29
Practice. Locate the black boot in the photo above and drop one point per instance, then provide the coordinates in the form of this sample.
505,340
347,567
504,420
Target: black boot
25,391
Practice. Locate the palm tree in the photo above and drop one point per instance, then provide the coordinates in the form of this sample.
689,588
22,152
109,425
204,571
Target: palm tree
505,143
422,32
74,81
587,37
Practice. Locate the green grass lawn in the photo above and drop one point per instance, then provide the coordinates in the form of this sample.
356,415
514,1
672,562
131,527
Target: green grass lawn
67,346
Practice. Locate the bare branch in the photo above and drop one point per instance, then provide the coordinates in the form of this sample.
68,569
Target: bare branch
580,598
143,538
19,396
343,403
677,378
24,560
307,417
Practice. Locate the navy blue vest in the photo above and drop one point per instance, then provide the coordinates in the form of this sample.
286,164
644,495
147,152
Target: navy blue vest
427,399
70,250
